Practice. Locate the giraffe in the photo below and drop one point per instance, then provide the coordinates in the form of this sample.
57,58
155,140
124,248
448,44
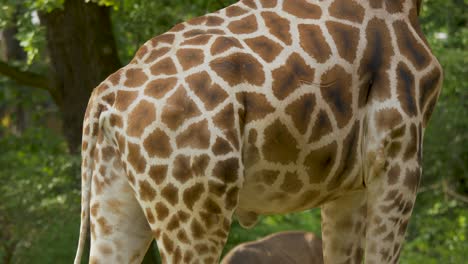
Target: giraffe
279,248
264,107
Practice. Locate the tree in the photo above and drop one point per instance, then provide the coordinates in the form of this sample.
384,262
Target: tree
82,52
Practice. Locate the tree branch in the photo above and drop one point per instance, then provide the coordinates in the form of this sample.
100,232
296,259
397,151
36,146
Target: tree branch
26,78
448,190
457,196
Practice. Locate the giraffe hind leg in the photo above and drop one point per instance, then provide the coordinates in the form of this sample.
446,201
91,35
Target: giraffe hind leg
191,216
119,230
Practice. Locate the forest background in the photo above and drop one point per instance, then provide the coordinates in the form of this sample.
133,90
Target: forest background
54,52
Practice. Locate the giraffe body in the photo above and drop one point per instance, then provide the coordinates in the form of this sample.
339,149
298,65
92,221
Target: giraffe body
263,107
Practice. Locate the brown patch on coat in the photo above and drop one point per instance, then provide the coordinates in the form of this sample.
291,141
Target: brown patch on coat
428,86
161,211
141,116
192,195
124,99
224,120
94,209
189,58
319,162
289,77
348,158
116,77
338,94
211,206
394,6
164,38
135,78
278,26
195,136
167,243
264,47
234,11
268,3
179,107
211,94
147,192
409,46
155,54
322,126
347,10
238,68
173,223
256,106
406,89
393,174
158,144
135,158
198,40
301,111
182,170
302,9
377,58
314,43
227,170
109,99
413,143
170,193
158,173
104,226
197,232
376,3
249,3
199,164
246,25
388,118
221,147
291,183
165,66
268,177
279,146
159,87
222,44
346,39
412,179
231,199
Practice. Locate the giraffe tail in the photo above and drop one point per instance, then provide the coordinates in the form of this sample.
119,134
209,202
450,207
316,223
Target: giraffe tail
90,127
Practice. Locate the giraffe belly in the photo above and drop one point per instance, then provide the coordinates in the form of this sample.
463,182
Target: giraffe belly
270,192
286,173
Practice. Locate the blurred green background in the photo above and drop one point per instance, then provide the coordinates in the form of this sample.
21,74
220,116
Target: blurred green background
39,165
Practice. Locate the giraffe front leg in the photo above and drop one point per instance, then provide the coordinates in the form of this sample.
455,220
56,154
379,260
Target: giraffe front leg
391,202
343,228
392,193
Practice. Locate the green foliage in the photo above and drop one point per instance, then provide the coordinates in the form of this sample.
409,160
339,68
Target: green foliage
446,16
39,195
24,15
136,21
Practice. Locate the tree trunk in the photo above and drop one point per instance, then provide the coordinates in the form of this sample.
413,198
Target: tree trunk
12,51
83,53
